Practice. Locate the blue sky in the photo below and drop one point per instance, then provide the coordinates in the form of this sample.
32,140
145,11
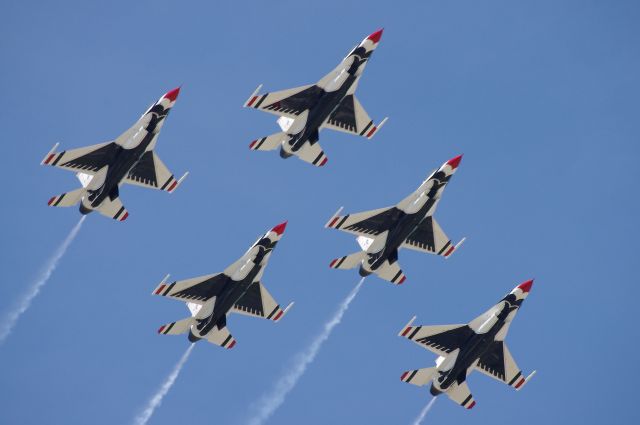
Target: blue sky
540,96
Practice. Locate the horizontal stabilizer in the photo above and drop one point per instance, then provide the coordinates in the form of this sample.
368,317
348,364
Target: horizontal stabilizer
113,209
461,394
221,337
419,377
67,199
176,328
348,261
391,272
269,143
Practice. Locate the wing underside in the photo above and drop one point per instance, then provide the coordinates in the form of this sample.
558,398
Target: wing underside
258,302
440,340
289,103
350,117
196,290
367,223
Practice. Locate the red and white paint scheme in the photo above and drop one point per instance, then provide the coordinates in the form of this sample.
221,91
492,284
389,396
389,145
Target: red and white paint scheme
462,349
238,289
409,224
104,167
329,103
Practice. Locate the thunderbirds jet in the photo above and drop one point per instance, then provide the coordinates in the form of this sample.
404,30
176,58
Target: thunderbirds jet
463,348
130,158
236,290
409,224
330,103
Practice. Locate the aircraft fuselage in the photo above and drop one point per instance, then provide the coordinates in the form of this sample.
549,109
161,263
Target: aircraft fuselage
123,160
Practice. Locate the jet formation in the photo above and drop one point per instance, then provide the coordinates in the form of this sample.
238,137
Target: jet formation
238,289
464,348
104,167
302,113
409,224
329,103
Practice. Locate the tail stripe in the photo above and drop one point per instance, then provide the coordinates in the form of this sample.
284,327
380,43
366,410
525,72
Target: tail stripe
444,247
366,128
260,101
118,213
467,400
169,288
515,378
342,221
315,161
59,199
415,331
273,312
58,158
226,341
260,143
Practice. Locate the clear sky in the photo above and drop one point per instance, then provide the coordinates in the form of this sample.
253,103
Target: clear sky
540,96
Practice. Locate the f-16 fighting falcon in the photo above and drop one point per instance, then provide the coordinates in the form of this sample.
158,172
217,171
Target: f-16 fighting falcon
330,103
130,158
409,224
236,290
463,348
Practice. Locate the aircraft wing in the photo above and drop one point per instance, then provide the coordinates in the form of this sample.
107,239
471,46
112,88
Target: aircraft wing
440,340
258,302
196,290
498,363
429,237
88,160
151,172
366,223
289,103
350,117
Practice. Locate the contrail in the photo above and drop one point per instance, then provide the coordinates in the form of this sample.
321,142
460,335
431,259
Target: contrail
12,318
424,411
269,403
156,400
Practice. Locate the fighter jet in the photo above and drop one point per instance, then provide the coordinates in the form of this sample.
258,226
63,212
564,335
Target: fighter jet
130,158
409,224
464,348
236,290
330,103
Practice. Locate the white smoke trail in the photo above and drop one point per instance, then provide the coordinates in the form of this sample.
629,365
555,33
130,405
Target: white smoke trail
269,403
156,400
12,318
424,411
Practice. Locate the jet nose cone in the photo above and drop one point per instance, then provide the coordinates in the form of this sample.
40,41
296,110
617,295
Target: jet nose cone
279,229
454,162
375,37
173,94
526,286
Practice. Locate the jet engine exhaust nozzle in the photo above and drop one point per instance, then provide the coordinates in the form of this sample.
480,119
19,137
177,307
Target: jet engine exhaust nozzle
363,272
284,154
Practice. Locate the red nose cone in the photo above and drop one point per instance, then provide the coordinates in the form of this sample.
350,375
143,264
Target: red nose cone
375,37
279,229
526,287
454,162
173,94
